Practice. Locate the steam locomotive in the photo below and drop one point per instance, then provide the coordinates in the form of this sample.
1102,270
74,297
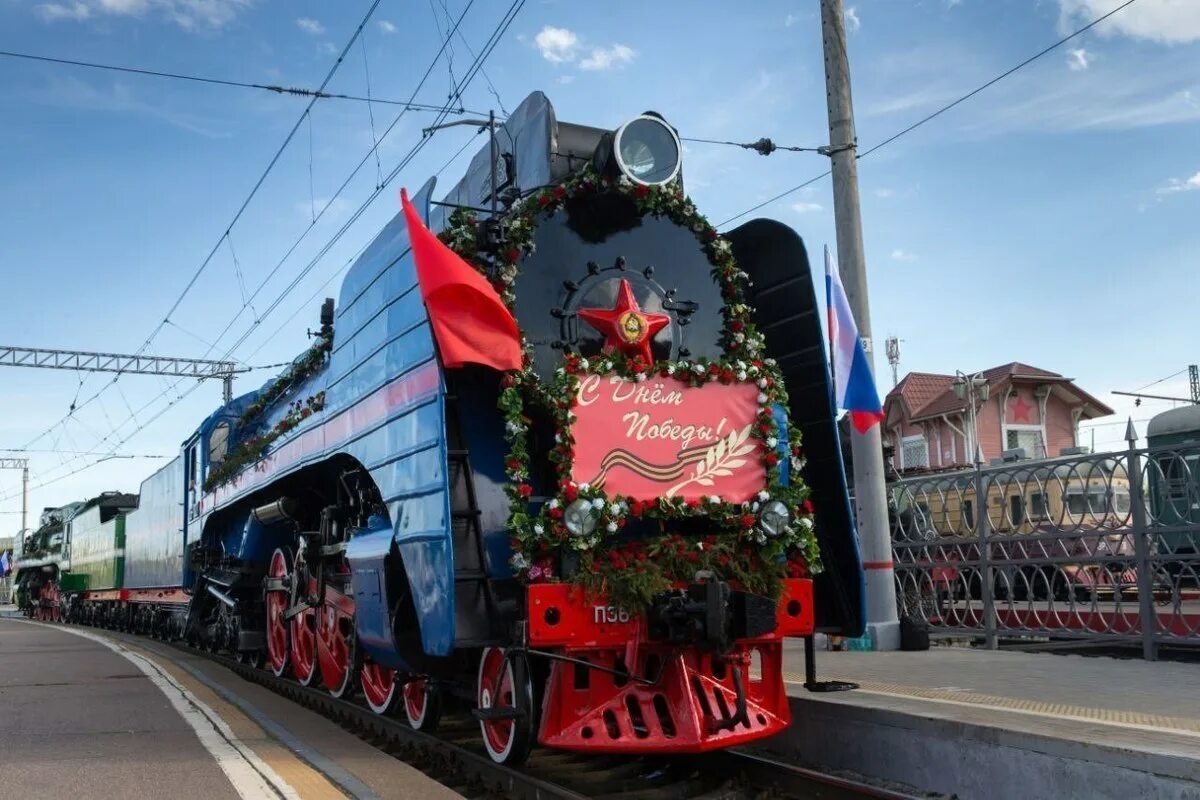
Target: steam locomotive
598,548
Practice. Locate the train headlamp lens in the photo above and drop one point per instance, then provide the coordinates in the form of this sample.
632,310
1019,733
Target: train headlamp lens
647,150
774,518
581,518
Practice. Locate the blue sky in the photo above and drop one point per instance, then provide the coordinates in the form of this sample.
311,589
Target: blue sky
1051,219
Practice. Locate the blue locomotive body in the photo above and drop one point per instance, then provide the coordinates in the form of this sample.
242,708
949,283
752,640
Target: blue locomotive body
353,518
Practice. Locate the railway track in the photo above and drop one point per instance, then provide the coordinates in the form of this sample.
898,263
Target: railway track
455,758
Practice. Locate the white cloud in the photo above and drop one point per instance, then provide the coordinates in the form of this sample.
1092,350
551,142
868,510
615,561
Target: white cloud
310,26
564,79
790,20
853,23
187,14
328,48
885,193
1175,185
807,208
1168,21
56,11
903,255
953,3
557,45
1077,59
606,58
386,27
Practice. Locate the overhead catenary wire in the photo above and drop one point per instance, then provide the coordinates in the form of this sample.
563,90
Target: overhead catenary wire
294,91
238,214
468,77
930,117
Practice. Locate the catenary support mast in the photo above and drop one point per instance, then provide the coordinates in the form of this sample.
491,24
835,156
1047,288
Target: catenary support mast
869,493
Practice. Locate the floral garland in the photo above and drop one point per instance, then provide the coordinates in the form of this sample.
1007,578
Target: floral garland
252,449
631,571
300,370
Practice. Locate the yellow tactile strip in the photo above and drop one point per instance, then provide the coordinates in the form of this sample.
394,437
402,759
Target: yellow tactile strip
308,782
1026,706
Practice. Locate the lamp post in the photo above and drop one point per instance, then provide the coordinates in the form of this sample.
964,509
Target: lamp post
971,388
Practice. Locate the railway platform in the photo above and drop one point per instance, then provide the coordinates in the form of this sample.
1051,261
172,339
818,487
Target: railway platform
975,723
96,714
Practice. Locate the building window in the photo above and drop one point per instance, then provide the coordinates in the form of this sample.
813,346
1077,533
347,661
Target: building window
1016,509
914,452
1037,506
1028,439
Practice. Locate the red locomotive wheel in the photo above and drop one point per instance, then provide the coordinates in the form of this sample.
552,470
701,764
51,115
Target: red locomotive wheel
335,649
422,705
378,687
505,689
276,601
303,651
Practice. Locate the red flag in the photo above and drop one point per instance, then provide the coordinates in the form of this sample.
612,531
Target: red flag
470,321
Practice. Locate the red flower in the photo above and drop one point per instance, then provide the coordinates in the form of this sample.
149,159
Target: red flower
570,490
512,464
727,375
807,507
693,556
772,458
748,520
641,190
544,199
767,411
693,502
512,255
737,326
635,508
560,192
710,234
525,490
556,513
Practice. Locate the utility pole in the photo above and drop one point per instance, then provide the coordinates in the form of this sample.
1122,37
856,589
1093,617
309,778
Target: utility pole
870,494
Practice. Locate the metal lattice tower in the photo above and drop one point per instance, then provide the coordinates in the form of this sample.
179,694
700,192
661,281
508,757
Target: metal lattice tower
893,357
83,361
23,465
1194,381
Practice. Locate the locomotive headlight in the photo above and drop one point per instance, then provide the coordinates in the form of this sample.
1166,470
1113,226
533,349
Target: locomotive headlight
647,150
774,518
581,518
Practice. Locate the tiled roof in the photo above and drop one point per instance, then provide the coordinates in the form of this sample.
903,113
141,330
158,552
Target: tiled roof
928,394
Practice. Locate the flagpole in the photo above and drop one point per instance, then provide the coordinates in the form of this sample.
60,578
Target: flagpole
870,493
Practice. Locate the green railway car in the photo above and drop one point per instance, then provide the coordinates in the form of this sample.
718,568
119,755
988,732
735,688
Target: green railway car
1174,486
95,544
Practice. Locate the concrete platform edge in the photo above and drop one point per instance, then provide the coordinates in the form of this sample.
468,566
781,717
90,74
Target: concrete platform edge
930,749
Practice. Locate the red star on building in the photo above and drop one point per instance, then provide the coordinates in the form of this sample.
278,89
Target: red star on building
625,326
1020,410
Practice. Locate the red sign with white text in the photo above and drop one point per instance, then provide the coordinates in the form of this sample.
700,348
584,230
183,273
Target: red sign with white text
663,438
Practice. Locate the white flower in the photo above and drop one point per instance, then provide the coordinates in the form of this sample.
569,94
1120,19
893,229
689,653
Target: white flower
614,509
764,495
762,383
624,180
760,538
518,562
762,398
553,502
583,487
739,337
597,503
698,369
670,369
754,506
539,529
558,438
606,366
806,523
641,376
699,545
611,527
770,362
714,499
741,376
772,442
583,363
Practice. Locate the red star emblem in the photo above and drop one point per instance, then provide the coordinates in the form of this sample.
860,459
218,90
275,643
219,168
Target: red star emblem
1020,410
625,326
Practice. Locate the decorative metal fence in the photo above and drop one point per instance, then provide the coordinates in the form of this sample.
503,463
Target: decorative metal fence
1098,547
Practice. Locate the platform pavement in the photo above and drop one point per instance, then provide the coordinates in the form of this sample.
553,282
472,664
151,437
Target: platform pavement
998,724
78,719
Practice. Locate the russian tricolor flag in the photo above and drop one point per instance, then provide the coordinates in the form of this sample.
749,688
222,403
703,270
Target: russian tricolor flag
854,384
